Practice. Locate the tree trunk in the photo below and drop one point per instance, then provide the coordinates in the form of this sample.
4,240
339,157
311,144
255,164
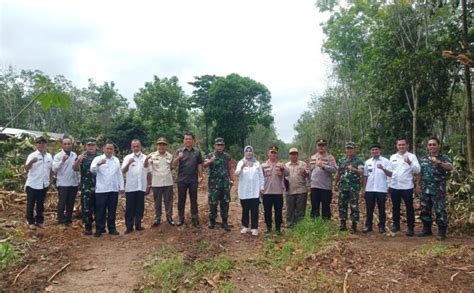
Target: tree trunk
467,81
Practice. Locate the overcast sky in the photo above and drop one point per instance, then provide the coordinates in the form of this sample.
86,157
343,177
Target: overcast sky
277,43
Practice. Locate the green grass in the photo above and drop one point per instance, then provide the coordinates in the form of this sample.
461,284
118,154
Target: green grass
222,264
8,255
226,287
167,269
306,237
432,250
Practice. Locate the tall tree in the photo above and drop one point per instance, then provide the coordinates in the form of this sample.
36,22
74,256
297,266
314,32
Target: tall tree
237,104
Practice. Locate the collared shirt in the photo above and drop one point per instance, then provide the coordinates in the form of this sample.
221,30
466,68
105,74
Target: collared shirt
136,176
38,175
188,165
376,178
402,174
109,175
322,177
161,169
65,175
251,180
273,178
433,176
297,178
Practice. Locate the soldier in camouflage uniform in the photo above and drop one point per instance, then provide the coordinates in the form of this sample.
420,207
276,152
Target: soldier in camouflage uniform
83,164
431,186
220,180
348,183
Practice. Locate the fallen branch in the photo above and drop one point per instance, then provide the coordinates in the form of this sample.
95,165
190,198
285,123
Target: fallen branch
454,276
58,271
345,286
19,273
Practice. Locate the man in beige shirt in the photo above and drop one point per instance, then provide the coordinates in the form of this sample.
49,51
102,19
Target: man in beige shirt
297,193
161,180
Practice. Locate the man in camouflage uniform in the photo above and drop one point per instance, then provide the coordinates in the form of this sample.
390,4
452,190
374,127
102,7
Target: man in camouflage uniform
431,186
83,164
220,180
348,183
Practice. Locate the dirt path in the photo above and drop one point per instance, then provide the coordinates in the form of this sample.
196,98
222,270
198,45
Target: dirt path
115,263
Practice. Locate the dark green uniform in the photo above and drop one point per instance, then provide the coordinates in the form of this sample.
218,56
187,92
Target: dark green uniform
433,190
88,190
219,185
349,188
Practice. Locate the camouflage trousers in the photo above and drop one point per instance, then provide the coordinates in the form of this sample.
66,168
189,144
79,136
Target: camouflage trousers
349,198
438,203
218,196
87,208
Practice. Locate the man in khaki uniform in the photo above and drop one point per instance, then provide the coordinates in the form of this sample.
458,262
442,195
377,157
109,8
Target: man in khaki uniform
297,192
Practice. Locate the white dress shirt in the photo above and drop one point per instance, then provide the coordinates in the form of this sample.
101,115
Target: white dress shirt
65,175
109,175
376,178
251,180
136,175
38,175
402,173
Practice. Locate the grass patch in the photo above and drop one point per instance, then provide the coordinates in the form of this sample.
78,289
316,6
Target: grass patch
203,246
8,255
433,250
166,269
306,237
222,264
226,287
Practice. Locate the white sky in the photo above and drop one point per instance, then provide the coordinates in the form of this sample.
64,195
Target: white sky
277,43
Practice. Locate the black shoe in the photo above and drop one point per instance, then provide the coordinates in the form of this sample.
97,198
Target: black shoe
410,232
354,228
426,230
225,225
382,230
114,232
156,224
180,223
196,223
212,224
139,228
395,228
367,229
128,231
441,233
88,232
97,234
342,226
278,232
269,230
170,220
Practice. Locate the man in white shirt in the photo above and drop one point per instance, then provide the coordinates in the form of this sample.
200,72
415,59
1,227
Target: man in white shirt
67,180
109,183
405,165
137,184
38,165
161,180
376,171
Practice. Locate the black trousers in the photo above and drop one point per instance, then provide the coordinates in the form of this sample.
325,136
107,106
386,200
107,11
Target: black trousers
105,208
295,207
182,191
134,209
67,197
270,201
250,207
35,198
160,194
321,197
407,195
372,198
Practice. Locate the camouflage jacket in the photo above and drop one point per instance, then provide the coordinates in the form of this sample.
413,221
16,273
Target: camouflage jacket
87,177
219,173
433,176
349,179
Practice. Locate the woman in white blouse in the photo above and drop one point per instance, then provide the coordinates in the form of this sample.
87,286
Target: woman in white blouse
251,183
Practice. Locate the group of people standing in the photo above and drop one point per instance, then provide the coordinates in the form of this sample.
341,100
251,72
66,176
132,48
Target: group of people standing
99,177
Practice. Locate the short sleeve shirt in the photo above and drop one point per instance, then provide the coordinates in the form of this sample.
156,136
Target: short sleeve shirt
219,170
188,166
348,178
433,176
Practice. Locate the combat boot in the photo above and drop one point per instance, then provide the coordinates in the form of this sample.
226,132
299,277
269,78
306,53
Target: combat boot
225,225
441,233
354,228
426,230
343,227
212,224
